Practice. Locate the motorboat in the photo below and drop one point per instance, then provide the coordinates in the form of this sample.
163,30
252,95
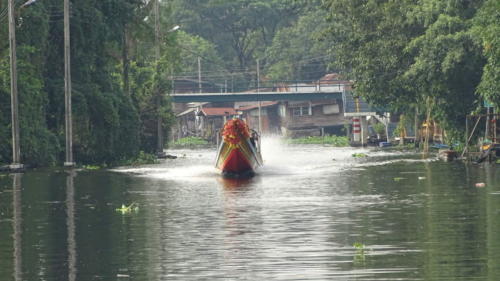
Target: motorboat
238,155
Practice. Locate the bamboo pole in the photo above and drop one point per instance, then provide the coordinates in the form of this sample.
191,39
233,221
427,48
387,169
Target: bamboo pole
471,134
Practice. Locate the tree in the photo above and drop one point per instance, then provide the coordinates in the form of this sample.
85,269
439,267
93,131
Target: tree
110,124
447,68
298,52
486,28
239,28
410,54
368,39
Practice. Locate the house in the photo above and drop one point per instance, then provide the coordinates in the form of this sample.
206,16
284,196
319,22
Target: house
204,122
288,118
270,121
311,118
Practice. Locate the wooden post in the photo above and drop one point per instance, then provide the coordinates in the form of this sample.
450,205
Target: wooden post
416,133
16,150
466,136
495,129
67,89
487,130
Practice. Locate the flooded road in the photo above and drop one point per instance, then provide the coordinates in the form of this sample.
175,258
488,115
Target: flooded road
311,213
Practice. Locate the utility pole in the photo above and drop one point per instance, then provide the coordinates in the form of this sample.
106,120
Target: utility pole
258,92
67,89
157,89
199,75
16,150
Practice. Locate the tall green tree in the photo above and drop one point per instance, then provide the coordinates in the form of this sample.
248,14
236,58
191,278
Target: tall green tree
110,123
486,28
368,39
447,62
298,52
241,29
410,54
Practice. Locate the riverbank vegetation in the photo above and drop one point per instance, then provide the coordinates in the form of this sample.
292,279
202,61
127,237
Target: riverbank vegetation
433,59
190,142
327,140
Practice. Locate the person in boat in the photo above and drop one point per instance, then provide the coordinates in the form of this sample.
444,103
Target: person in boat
254,139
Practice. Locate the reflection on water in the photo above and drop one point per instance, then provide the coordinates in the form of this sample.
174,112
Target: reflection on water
17,221
70,222
311,213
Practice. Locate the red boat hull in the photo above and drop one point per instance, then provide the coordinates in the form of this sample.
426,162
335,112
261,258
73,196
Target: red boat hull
236,162
238,154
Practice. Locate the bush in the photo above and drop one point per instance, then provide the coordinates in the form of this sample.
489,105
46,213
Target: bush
379,128
142,159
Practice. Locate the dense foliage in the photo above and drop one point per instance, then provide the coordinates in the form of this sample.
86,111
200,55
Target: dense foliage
438,56
117,81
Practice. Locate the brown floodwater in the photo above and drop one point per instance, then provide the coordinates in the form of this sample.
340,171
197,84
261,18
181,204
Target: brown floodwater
312,213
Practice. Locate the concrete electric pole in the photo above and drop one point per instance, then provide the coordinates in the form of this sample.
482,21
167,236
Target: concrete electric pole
67,89
258,92
157,88
16,150
199,75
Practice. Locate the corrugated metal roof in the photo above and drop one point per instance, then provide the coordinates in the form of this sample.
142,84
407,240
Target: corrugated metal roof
218,111
186,112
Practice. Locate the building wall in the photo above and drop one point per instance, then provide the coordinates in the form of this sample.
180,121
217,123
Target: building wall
317,118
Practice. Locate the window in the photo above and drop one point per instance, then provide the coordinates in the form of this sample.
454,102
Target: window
301,111
331,109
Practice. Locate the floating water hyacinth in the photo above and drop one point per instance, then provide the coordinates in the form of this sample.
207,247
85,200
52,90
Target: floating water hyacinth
359,257
359,155
359,246
134,207
398,179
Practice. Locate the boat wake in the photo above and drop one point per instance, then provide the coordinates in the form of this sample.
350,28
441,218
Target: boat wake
280,160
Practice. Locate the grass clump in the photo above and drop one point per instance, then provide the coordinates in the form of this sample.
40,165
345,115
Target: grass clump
142,159
330,140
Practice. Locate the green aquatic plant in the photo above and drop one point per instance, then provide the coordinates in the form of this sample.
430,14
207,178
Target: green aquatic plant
358,246
359,155
398,179
92,167
359,256
134,207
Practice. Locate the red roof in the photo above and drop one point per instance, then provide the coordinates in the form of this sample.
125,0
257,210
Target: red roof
218,111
